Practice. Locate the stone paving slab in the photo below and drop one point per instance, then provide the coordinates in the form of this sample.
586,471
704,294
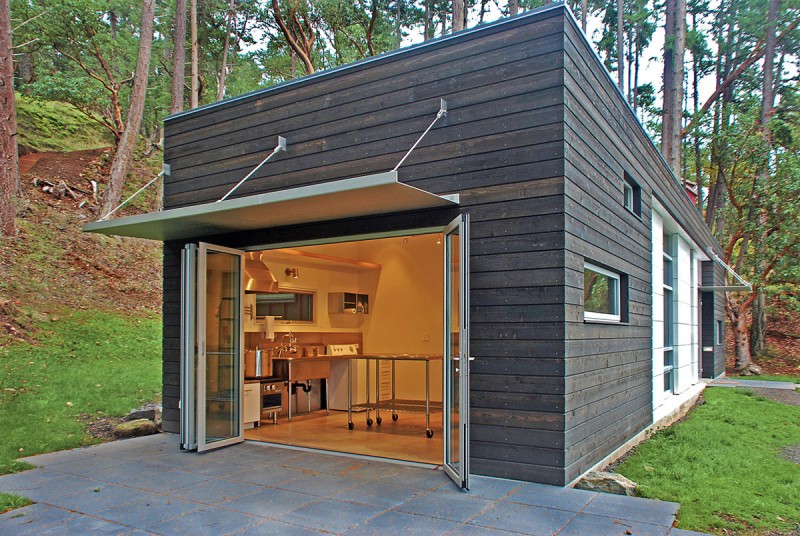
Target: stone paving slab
146,486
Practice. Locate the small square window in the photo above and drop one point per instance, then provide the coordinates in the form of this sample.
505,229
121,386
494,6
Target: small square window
601,294
631,195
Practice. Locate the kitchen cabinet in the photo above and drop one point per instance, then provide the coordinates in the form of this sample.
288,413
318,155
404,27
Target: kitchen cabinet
348,302
252,404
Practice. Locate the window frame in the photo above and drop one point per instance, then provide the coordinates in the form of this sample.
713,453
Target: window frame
631,195
593,316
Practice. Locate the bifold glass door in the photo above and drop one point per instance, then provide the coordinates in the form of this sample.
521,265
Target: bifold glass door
211,346
456,351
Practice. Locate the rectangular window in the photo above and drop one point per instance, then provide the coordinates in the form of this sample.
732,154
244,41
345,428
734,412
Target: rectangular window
720,332
601,294
631,195
669,313
289,305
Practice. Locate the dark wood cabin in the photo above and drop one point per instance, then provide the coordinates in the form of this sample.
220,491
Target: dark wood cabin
555,172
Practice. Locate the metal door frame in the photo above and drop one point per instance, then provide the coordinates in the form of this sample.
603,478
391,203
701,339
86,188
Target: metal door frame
200,377
460,473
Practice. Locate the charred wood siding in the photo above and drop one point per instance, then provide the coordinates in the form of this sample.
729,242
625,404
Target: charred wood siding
713,315
501,147
608,365
171,329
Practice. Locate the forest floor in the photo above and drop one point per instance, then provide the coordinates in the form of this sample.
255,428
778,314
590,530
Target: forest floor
51,264
783,347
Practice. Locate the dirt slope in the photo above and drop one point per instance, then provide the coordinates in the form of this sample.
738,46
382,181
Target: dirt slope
51,265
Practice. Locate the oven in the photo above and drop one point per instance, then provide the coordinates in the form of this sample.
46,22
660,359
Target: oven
272,393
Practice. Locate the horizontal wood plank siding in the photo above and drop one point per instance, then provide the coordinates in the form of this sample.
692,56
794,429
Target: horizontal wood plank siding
171,329
712,311
501,148
608,366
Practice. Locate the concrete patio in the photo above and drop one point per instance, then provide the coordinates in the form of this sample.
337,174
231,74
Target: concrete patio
147,486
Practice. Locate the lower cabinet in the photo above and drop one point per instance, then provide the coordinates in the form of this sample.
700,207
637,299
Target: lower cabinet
251,405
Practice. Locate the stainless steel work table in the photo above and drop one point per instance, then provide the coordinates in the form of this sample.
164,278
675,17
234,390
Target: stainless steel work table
395,404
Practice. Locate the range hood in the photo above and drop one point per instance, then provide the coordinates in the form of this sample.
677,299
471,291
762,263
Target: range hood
258,278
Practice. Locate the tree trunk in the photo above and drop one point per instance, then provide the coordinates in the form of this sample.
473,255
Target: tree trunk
427,27
742,338
584,14
513,7
758,327
737,314
223,71
674,46
621,45
179,58
124,154
9,157
194,97
459,15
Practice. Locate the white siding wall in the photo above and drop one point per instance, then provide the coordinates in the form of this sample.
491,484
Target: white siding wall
657,242
686,330
685,319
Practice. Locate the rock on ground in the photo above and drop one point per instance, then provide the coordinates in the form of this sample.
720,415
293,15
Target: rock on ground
605,482
139,427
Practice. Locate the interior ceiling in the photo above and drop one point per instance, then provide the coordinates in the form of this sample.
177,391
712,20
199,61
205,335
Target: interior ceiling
360,251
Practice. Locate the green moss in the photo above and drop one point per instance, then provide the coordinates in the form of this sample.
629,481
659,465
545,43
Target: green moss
57,126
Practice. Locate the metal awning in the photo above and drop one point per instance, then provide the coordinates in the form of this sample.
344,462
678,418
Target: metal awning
369,195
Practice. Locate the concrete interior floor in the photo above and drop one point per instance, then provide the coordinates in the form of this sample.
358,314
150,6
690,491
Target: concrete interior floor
403,439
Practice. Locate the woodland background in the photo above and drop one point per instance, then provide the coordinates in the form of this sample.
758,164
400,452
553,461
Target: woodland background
722,99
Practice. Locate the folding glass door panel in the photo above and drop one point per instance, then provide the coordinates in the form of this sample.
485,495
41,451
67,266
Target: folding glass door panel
220,375
456,351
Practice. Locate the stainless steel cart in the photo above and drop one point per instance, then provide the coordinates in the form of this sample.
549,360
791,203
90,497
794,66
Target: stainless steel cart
396,405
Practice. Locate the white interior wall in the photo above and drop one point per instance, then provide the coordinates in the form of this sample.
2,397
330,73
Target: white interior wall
407,313
405,300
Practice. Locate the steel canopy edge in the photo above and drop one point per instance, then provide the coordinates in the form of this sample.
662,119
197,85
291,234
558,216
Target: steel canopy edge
352,197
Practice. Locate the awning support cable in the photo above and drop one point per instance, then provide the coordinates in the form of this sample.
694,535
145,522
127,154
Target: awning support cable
745,286
280,147
442,113
140,190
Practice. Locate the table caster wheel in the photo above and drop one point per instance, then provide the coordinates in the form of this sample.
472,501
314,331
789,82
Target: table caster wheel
349,426
369,422
379,420
429,433
395,416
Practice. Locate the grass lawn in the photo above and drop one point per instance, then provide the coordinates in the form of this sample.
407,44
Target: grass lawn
768,378
722,464
84,363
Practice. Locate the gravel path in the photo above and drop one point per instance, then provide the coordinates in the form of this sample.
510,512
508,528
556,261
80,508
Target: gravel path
780,395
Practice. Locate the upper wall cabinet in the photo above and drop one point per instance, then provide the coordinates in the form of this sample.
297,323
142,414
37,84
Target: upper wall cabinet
348,302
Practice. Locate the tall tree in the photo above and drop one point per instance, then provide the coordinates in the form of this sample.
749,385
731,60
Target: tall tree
178,57
9,163
758,325
459,15
124,153
674,46
295,24
223,71
621,45
194,96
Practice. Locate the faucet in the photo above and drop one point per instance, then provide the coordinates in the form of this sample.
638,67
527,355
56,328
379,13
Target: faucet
291,347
